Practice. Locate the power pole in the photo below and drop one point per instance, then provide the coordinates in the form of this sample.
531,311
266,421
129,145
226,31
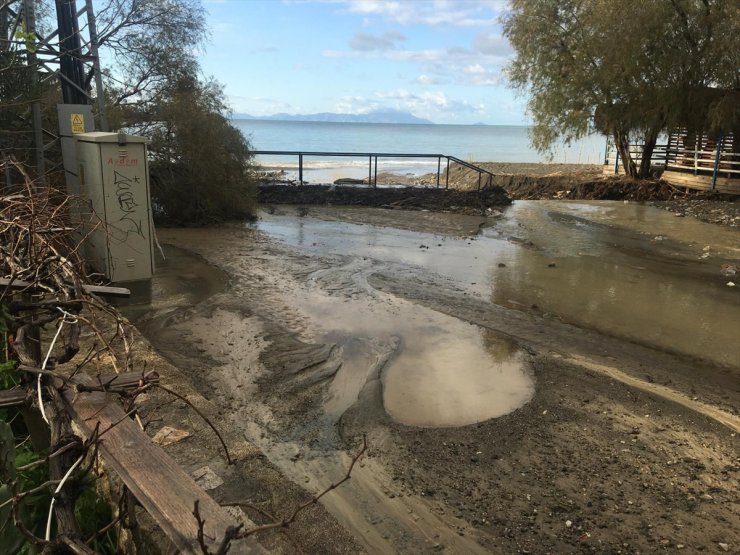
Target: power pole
66,54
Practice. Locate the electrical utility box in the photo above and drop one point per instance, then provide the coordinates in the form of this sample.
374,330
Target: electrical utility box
116,205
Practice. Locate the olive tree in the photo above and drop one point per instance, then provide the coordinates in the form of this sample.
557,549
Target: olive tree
200,163
149,58
628,69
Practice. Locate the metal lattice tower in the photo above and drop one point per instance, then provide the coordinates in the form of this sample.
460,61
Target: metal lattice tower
69,54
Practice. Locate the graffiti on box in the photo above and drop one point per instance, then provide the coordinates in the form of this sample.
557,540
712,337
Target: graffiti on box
130,221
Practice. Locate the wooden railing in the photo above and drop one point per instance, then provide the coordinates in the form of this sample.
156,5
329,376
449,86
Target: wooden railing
165,491
703,154
699,154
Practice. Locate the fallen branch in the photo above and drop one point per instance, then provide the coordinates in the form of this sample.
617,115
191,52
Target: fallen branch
235,533
203,416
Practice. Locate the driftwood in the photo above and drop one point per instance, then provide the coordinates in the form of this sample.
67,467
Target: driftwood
157,482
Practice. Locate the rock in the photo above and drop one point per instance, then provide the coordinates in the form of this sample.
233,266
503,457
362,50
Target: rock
568,523
730,284
724,546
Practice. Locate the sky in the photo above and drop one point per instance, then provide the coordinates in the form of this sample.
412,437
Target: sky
441,60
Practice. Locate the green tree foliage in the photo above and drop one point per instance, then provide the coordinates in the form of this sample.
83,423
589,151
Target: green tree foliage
200,163
630,69
149,55
147,41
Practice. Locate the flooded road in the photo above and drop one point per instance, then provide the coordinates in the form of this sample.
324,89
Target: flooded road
479,355
624,269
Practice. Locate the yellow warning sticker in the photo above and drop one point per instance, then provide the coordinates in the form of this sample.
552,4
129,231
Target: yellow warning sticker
78,123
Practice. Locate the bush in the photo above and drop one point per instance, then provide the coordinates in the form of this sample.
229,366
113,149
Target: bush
200,164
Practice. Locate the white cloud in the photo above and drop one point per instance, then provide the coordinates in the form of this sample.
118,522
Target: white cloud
429,104
478,75
455,13
492,44
437,66
366,42
424,79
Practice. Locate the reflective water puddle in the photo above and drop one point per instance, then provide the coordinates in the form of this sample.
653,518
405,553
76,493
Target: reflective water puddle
624,269
436,370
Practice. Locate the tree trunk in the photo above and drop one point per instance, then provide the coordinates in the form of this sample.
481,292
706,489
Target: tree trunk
61,434
621,139
651,138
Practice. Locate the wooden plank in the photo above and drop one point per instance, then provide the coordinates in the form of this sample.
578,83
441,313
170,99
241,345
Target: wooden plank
12,397
702,182
97,289
166,492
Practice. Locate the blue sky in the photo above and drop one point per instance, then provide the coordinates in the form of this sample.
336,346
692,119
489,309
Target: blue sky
439,59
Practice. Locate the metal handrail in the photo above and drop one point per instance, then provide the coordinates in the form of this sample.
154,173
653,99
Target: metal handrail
373,158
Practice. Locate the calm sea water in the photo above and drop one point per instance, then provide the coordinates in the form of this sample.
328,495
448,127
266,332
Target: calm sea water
482,143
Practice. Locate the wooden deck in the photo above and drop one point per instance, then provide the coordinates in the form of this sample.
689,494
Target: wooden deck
702,182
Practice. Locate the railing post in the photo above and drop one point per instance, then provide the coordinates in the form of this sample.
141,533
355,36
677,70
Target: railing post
375,178
439,168
720,138
447,176
300,169
696,154
92,27
370,171
479,176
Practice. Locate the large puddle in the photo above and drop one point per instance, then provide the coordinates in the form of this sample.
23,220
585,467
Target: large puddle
436,370
624,269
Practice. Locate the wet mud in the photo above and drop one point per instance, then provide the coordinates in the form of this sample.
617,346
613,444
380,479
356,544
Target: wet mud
549,378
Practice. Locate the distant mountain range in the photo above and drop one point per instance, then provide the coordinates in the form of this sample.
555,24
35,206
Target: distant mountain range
376,116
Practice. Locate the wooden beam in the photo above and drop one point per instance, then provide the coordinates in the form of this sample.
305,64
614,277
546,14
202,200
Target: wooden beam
12,397
166,492
124,380
97,289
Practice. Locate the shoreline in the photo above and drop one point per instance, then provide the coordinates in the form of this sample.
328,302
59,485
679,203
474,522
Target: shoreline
319,175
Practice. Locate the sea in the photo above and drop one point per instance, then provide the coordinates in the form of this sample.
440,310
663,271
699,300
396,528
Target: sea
472,143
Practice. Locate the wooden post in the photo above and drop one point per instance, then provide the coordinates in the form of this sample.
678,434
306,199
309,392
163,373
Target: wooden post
439,167
37,428
300,169
696,154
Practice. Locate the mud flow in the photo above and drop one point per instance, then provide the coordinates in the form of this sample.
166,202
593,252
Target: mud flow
407,325
623,269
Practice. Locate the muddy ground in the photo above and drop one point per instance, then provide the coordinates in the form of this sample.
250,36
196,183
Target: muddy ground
580,183
622,448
